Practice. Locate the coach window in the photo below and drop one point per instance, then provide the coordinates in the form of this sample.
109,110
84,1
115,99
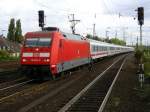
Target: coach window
97,48
100,48
92,48
104,48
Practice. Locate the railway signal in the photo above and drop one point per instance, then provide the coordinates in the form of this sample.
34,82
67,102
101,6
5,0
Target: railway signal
41,18
140,15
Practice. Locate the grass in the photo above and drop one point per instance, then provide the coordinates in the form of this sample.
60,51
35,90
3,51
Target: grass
9,58
146,60
147,69
5,56
144,93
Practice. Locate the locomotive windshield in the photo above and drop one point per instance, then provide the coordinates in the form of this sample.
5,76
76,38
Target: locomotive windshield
38,42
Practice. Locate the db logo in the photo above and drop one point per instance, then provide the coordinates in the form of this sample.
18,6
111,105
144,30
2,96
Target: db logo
36,54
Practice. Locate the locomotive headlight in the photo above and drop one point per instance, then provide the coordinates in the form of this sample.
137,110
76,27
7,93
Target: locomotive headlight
24,60
53,66
47,60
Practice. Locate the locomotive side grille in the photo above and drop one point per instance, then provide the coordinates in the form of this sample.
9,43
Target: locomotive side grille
27,54
44,54
36,55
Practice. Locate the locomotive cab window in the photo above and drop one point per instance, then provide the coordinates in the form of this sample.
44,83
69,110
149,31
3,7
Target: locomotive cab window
38,42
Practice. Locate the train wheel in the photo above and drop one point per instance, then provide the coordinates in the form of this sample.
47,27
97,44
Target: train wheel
62,74
54,77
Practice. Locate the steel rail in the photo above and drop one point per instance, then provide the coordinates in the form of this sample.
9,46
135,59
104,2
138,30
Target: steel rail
74,99
6,97
12,81
110,89
15,85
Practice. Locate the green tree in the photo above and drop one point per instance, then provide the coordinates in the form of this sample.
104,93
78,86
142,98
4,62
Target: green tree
89,36
11,30
97,38
18,32
117,41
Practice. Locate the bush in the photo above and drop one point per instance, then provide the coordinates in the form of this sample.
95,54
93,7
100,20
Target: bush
147,69
4,54
146,59
139,55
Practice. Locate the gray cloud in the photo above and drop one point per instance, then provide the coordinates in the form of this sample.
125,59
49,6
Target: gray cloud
57,12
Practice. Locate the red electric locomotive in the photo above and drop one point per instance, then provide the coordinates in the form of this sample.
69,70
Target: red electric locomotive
50,52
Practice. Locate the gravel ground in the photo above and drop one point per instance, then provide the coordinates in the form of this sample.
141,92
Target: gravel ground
9,65
9,71
124,96
74,83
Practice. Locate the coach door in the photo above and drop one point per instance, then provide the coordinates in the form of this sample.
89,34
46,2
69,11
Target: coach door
61,55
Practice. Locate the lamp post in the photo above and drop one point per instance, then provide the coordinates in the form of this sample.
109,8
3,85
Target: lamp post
124,33
107,31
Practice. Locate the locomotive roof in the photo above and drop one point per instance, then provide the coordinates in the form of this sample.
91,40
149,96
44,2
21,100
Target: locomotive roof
72,36
65,35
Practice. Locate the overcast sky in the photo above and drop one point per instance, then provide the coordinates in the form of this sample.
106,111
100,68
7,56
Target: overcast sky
57,12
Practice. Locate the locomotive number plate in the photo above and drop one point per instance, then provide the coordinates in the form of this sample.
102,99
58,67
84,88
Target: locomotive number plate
36,54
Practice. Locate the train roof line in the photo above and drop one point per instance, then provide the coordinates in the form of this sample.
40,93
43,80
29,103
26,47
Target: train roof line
100,42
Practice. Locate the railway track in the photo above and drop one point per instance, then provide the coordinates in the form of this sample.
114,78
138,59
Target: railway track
39,94
6,76
2,73
12,90
94,96
11,82
66,85
15,85
4,65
